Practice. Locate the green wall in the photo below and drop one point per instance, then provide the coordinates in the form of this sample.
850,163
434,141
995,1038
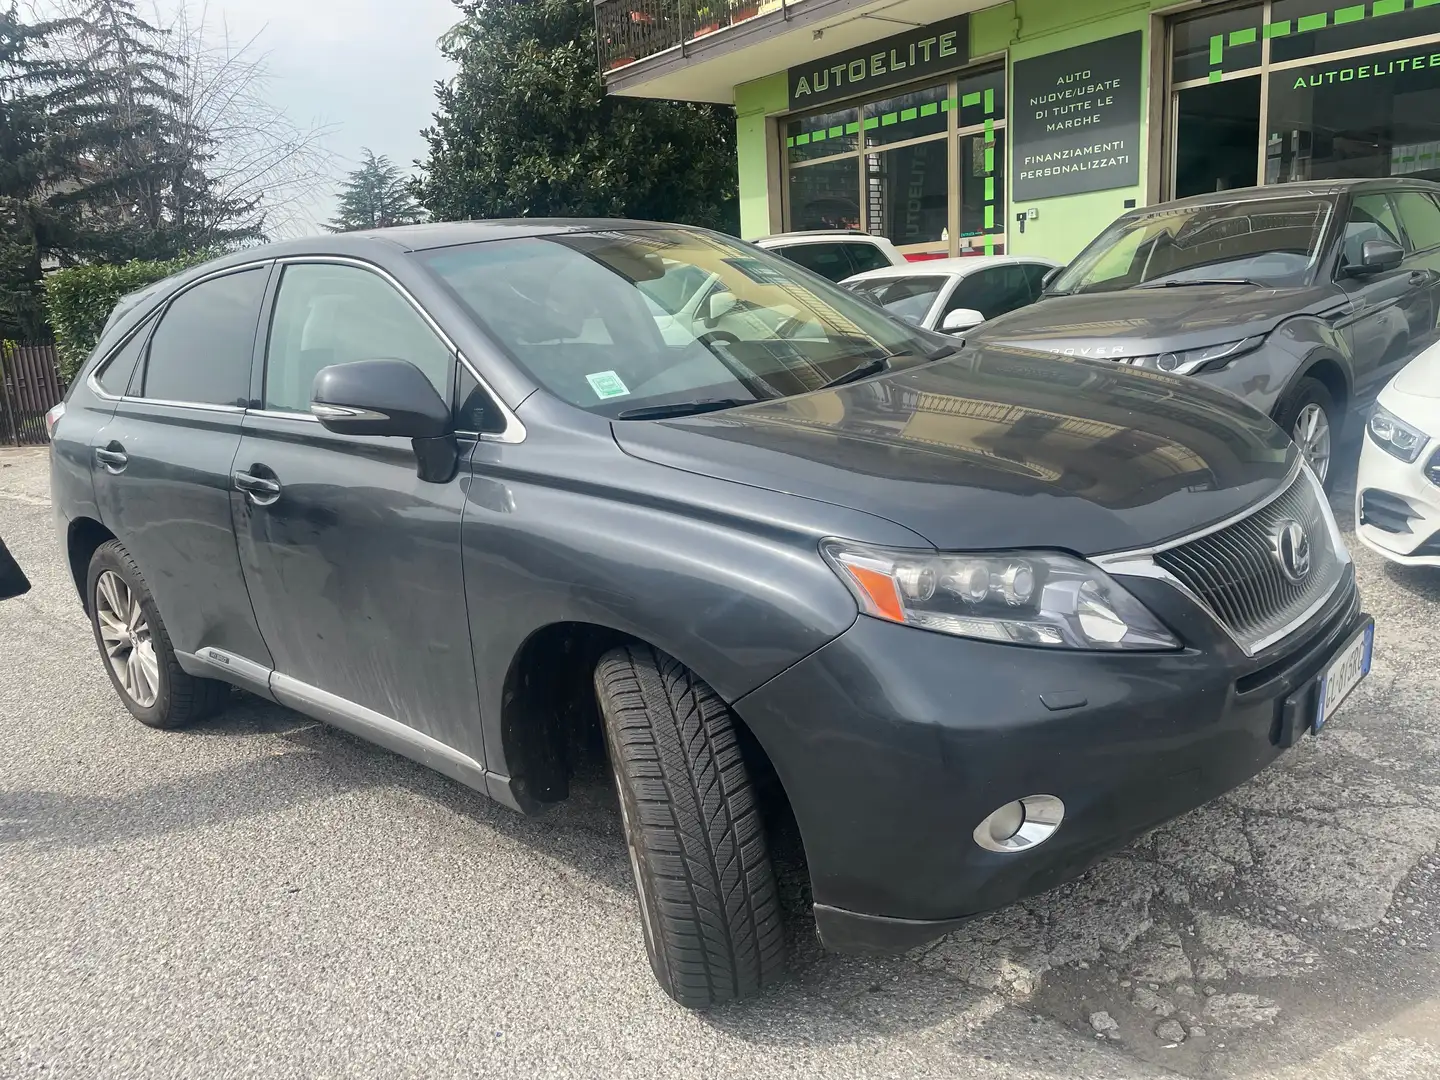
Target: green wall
1021,28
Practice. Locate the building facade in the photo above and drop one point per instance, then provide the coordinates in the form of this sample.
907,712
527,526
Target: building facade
1025,127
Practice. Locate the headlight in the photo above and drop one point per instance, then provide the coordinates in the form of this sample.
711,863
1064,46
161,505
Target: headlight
1022,598
1394,436
1190,361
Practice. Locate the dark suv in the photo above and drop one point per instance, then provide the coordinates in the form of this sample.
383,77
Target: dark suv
975,616
1301,298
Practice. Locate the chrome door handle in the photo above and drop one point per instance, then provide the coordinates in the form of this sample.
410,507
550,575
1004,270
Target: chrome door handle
113,461
258,489
1419,277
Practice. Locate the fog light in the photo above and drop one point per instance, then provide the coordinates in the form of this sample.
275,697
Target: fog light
1021,825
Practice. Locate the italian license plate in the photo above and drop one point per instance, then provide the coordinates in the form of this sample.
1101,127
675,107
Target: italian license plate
1350,665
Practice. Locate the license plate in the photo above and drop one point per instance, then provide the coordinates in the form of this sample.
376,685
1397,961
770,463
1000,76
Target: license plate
1344,674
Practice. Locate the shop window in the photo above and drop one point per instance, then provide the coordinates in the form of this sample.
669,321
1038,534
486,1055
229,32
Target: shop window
1421,218
1303,28
909,192
908,116
982,187
981,97
822,135
1224,41
1217,137
1373,114
825,196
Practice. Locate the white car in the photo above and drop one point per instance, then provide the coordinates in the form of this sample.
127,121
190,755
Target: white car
835,254
954,295
1397,492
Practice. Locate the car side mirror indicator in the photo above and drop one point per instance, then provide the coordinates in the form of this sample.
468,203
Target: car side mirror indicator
393,398
960,320
1377,256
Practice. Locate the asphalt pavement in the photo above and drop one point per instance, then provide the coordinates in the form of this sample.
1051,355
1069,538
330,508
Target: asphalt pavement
265,896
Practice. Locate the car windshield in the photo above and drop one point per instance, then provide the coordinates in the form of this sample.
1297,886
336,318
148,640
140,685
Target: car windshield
907,298
629,319
1268,241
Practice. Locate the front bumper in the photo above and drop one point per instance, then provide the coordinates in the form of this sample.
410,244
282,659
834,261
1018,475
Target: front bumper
1397,506
894,743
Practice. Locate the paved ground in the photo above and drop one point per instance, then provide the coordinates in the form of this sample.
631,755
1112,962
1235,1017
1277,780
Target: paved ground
267,897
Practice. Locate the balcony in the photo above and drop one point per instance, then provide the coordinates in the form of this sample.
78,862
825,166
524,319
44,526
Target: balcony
628,31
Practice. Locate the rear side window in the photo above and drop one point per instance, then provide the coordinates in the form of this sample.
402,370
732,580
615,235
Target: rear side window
828,260
114,376
201,350
1421,217
327,314
867,257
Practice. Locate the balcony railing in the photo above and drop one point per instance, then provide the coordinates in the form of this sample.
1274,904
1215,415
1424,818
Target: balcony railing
627,31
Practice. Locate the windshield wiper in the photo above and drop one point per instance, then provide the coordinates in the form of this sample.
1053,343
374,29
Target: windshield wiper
1175,283
682,408
859,371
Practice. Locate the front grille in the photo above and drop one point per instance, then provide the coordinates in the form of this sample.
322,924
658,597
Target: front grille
1236,572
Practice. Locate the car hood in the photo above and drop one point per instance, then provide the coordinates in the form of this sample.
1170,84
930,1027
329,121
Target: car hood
996,448
1421,377
1142,322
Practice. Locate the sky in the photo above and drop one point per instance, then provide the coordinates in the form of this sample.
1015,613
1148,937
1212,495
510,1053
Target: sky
367,67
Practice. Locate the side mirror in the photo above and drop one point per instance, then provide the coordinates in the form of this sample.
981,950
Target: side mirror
717,304
389,397
1050,276
1377,256
960,320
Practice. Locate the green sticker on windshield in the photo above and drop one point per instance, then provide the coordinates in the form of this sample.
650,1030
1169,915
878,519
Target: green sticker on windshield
607,384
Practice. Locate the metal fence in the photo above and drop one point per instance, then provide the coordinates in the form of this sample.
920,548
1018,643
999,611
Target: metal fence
30,387
631,30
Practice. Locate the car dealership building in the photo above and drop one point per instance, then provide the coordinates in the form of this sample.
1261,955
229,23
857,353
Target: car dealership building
1025,127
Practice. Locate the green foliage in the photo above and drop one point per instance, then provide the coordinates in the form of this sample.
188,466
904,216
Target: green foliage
375,196
525,129
80,299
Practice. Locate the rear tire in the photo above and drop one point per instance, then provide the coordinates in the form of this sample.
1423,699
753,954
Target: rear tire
1310,401
136,649
708,901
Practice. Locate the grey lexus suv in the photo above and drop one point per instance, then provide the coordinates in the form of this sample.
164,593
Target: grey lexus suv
1301,298
968,617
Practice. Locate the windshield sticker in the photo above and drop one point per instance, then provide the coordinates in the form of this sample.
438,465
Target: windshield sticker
607,384
757,271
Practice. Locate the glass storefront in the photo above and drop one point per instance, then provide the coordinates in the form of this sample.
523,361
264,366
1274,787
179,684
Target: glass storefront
923,167
1303,90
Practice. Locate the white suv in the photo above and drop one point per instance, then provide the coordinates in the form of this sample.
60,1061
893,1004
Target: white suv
836,254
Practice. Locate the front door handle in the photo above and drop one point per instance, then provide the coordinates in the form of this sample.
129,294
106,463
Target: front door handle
1420,277
112,457
260,490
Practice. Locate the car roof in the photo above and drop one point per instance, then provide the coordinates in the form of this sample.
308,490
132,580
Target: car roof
819,236
962,266
1317,188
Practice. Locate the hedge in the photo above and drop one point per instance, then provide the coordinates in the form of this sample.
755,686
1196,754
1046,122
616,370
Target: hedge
79,299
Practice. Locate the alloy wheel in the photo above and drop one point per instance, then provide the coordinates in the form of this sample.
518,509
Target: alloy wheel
1312,435
125,634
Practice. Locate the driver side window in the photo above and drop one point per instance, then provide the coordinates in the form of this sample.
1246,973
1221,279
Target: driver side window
1372,217
327,313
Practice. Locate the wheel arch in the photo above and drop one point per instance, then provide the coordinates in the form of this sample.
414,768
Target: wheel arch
82,537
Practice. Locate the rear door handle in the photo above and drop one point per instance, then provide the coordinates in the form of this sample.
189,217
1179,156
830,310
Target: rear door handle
114,461
260,490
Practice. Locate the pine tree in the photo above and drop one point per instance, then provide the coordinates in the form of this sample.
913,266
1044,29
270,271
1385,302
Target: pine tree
375,196
526,129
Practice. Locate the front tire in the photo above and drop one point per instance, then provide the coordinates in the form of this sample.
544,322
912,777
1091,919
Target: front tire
708,900
136,647
1308,415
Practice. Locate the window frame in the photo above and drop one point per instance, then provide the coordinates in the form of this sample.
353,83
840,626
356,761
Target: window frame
158,316
513,430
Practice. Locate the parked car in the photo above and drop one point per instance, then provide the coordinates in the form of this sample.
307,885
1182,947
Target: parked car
954,295
835,254
976,616
1302,298
1397,501
13,581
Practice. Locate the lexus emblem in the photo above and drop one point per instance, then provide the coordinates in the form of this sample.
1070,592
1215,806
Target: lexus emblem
1291,548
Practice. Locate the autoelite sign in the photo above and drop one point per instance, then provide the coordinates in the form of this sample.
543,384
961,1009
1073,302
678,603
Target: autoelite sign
1075,122
925,50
